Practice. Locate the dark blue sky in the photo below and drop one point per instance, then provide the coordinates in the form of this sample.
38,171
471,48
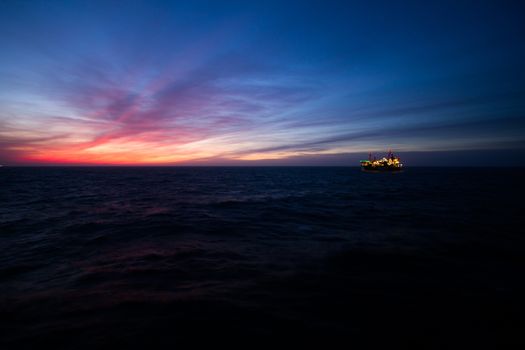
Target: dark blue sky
287,82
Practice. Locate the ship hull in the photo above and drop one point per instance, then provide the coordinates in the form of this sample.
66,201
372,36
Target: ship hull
381,169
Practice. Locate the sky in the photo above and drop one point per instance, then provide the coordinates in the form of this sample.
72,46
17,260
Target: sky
261,82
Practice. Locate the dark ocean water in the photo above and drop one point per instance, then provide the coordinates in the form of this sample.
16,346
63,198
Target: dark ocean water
151,257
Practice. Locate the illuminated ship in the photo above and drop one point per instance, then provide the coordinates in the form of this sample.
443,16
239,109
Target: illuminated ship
388,163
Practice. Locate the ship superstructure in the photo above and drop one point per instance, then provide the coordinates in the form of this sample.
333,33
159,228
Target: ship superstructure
388,163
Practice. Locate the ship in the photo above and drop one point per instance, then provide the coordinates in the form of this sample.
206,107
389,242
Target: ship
390,163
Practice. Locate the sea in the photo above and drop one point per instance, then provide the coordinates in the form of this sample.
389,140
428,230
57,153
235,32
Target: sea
160,257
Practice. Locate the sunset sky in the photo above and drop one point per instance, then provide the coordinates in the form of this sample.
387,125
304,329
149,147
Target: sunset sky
260,82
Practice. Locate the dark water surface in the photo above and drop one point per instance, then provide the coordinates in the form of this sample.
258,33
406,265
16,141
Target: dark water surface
144,257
